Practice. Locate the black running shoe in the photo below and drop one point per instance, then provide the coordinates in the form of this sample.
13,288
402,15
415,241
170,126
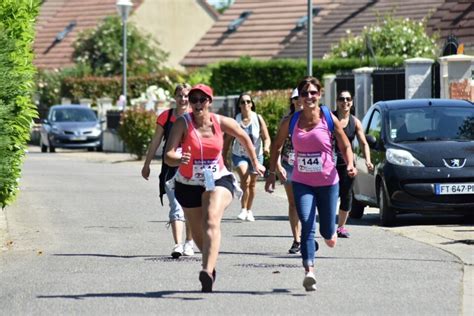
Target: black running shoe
206,281
295,247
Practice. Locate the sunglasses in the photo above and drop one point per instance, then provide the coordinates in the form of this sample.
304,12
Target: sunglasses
344,99
307,93
245,102
194,99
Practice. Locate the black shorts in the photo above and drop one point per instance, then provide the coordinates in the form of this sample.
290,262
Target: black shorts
345,188
191,195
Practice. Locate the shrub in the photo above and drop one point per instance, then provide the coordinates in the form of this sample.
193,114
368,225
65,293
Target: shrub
98,87
272,105
16,81
248,74
136,129
392,37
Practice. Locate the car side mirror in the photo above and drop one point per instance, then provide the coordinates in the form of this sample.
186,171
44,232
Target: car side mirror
371,140
102,121
45,121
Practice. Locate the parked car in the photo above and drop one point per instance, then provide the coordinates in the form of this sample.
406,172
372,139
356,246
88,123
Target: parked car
423,153
71,126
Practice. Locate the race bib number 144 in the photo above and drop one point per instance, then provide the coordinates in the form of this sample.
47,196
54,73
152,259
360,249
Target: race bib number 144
309,162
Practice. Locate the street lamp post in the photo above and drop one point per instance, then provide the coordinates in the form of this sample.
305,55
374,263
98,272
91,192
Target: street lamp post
123,8
309,54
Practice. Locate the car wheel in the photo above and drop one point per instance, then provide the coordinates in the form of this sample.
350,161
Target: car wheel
357,210
90,149
99,148
44,148
386,213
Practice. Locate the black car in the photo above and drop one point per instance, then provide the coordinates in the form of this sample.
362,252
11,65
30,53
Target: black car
71,126
423,153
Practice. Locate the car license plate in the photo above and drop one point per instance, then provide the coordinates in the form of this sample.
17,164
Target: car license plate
454,188
78,138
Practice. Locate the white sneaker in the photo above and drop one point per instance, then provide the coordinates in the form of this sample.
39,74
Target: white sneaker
309,282
188,248
177,251
242,215
250,217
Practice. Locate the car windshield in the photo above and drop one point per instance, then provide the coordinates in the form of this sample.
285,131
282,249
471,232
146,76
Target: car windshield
73,115
431,124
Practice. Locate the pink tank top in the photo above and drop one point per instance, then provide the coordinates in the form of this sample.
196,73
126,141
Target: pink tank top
314,160
211,155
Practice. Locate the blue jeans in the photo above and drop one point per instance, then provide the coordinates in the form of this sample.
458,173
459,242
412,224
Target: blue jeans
176,211
307,199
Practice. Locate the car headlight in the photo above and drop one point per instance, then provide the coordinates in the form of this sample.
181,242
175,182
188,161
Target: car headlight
402,157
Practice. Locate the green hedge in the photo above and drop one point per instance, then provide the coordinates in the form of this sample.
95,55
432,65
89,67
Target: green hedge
247,74
98,87
17,19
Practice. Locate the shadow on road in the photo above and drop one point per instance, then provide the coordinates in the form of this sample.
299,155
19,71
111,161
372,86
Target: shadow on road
166,294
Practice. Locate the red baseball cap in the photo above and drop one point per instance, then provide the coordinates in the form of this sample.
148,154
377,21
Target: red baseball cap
203,88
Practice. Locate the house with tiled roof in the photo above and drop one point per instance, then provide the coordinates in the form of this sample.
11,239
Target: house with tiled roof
455,17
277,28
60,21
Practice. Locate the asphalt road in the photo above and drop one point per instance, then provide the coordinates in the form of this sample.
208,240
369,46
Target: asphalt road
87,236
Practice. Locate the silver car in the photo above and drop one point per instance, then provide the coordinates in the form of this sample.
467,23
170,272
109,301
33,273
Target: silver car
71,126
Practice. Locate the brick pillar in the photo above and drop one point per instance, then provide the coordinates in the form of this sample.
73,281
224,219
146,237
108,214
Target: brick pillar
363,90
418,78
455,69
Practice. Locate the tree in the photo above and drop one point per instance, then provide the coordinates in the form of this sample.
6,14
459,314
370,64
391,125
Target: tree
101,50
392,37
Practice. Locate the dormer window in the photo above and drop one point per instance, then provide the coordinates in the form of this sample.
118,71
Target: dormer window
232,27
301,22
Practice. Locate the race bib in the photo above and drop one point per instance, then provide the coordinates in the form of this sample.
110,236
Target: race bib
242,152
309,162
291,158
207,164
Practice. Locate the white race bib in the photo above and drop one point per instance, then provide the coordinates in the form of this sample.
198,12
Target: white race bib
309,162
291,158
200,165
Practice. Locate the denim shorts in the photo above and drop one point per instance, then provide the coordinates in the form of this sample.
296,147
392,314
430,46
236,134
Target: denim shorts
289,171
240,160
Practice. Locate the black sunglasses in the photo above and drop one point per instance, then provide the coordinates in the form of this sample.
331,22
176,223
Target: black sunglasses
194,99
307,93
344,99
245,101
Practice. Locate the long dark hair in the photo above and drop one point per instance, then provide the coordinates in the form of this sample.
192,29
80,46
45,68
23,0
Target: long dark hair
237,104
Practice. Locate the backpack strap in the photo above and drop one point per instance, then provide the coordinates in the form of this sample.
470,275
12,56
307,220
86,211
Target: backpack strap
293,120
328,116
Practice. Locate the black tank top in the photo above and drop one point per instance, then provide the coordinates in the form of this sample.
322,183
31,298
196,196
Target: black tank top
350,131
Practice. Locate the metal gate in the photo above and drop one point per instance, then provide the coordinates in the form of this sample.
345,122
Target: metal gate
435,80
345,81
388,84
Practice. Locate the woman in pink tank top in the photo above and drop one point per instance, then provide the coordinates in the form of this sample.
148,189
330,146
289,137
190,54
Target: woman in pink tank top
314,179
203,185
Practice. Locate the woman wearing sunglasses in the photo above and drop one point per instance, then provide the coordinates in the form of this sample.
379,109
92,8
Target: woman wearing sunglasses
314,179
352,127
164,122
203,185
254,125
